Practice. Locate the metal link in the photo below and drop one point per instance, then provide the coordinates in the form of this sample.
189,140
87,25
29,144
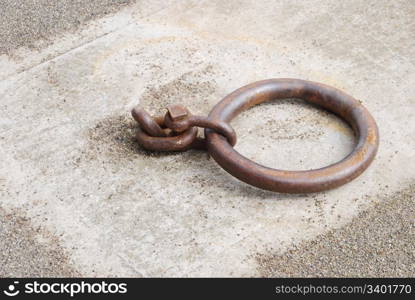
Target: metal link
177,131
147,123
178,118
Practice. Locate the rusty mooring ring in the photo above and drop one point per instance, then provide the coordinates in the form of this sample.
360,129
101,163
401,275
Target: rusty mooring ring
181,134
334,100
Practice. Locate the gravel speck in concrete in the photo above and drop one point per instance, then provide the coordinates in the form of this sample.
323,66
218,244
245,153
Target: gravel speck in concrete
378,243
23,23
26,251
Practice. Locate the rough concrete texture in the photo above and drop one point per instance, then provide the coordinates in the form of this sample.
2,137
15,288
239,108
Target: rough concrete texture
27,251
378,243
29,23
70,163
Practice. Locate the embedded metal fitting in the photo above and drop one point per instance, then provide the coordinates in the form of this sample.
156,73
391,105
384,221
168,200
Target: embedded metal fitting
177,131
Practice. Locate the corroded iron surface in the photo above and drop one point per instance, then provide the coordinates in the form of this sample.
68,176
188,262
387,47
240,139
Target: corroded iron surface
177,131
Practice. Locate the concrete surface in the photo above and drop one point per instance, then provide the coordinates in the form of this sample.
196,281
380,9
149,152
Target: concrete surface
27,251
31,23
70,165
378,243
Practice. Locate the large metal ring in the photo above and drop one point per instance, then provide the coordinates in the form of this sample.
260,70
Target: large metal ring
334,100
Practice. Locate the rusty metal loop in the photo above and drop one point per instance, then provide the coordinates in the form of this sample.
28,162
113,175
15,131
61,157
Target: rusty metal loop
187,121
181,134
147,123
334,100
180,142
151,135
219,127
